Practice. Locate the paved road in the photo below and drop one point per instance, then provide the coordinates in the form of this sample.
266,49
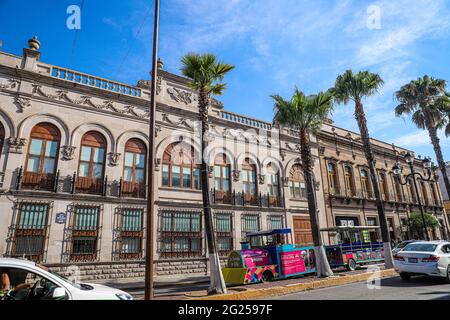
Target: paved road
418,288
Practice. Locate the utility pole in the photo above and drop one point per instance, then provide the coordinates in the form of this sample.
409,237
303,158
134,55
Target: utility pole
150,243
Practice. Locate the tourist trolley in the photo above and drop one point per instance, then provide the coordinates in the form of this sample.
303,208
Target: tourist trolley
266,256
353,246
270,255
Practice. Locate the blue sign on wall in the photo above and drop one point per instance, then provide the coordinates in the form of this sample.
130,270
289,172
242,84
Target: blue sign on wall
60,218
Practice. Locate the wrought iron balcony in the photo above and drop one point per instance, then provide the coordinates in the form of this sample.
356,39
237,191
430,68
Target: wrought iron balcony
92,186
219,197
132,189
36,181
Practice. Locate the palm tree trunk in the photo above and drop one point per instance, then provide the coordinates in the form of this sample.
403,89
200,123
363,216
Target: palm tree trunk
322,265
217,285
438,151
365,139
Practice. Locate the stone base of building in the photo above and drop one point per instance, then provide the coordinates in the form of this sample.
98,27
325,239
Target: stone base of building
131,269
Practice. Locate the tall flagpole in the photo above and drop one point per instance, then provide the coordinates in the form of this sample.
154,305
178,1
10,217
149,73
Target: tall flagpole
150,244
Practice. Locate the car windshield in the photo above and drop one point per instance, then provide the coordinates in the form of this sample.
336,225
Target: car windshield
423,247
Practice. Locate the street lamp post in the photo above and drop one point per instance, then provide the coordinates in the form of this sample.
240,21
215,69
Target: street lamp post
397,174
149,248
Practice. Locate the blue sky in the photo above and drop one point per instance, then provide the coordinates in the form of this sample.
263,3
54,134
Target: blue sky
274,44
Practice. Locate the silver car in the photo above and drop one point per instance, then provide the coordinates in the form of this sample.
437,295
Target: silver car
430,258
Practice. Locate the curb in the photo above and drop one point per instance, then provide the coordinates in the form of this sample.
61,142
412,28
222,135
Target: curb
299,287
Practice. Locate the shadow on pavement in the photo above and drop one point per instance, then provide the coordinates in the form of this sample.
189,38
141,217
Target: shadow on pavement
418,281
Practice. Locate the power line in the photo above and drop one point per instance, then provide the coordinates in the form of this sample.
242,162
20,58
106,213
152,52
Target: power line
75,37
141,26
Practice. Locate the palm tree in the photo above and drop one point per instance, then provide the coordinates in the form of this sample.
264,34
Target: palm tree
356,87
206,75
307,114
428,103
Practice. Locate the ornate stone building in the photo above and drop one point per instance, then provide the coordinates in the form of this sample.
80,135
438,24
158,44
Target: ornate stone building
444,194
349,197
73,167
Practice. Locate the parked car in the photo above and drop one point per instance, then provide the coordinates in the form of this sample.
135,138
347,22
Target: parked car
399,247
430,258
26,280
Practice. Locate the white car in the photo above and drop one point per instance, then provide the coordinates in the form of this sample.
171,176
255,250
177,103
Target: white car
430,258
26,280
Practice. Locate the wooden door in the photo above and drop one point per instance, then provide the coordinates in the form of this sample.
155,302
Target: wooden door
302,231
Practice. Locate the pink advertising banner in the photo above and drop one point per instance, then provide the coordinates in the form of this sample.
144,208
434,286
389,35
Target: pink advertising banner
255,258
292,263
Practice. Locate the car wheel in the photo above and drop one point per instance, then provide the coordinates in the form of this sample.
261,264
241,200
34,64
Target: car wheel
405,276
351,265
267,276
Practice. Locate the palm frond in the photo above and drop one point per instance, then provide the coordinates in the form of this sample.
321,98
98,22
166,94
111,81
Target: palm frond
205,72
350,86
303,112
419,119
426,100
403,109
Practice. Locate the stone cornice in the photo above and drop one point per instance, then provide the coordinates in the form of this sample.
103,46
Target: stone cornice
346,144
43,79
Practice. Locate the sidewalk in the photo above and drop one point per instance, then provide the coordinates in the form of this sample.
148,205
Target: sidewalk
160,282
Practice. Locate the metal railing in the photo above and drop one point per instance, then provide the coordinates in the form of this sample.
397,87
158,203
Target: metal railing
36,181
132,189
90,185
246,199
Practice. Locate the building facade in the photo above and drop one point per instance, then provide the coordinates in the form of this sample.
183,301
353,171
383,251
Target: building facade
73,170
348,191
444,193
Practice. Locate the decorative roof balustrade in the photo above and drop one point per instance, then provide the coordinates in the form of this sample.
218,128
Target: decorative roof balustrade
233,117
93,81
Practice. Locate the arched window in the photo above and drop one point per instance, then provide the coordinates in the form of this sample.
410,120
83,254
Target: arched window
434,194
179,167
91,169
398,190
297,188
2,138
134,169
332,178
273,181
349,181
365,183
412,190
383,186
42,157
222,179
424,192
249,180
273,185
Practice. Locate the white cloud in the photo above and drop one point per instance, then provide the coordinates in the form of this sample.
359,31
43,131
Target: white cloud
403,23
419,139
